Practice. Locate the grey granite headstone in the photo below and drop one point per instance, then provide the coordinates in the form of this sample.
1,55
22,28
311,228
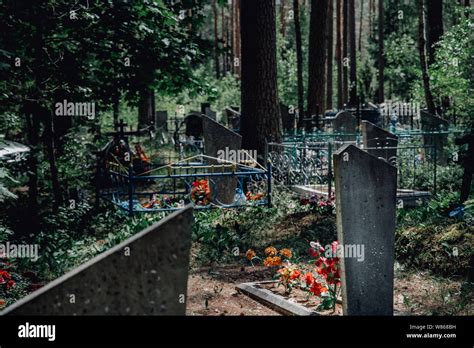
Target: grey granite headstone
432,123
344,122
147,274
219,138
193,123
365,206
162,119
206,110
379,142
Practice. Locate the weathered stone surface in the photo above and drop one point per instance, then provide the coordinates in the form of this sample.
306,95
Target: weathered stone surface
152,280
162,120
206,110
379,142
432,123
217,138
365,202
193,122
344,122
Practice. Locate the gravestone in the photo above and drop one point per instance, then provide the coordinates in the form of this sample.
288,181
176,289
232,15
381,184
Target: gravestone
194,125
206,110
365,196
147,274
217,138
344,122
375,139
288,119
162,119
432,123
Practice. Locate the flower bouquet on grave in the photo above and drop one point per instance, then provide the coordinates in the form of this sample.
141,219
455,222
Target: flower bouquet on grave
200,192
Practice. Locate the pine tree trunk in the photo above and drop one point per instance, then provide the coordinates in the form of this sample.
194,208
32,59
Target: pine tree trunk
32,129
224,42
51,153
238,49
434,26
424,68
283,17
299,62
345,52
216,39
330,55
260,120
339,38
317,59
352,53
361,21
381,53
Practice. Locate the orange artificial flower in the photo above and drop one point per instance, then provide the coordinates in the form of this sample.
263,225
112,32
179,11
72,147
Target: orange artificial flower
2,303
271,251
250,254
309,279
272,261
286,253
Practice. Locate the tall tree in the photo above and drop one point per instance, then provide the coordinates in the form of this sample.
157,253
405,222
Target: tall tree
352,54
345,52
283,17
381,53
424,66
299,62
224,41
339,38
330,55
216,39
317,58
261,120
361,21
434,26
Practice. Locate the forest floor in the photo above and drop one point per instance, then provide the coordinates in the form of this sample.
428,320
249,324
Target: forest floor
213,292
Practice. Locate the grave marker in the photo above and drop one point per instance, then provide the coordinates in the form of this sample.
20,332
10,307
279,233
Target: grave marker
365,202
373,137
162,119
344,122
147,274
206,110
217,137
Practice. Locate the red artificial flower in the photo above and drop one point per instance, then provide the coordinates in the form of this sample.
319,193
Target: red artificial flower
317,289
10,284
295,274
309,279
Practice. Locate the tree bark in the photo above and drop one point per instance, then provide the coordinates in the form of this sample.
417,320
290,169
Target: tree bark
32,129
345,53
330,55
381,53
216,40
317,59
299,62
260,120
51,153
434,26
283,17
361,21
237,63
224,42
339,32
352,53
424,68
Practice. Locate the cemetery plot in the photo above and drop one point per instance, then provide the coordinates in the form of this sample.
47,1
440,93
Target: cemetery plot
172,186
